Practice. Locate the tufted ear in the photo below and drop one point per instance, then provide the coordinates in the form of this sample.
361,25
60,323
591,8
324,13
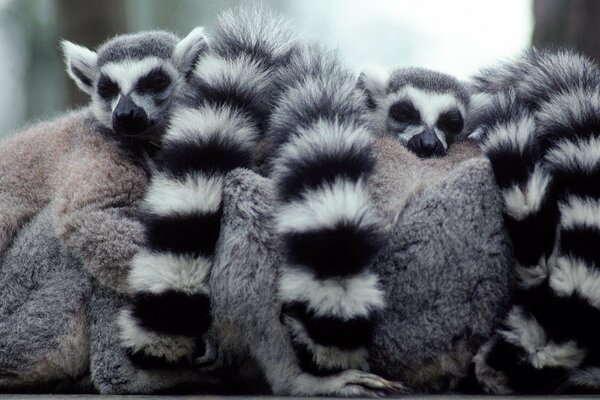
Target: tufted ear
189,49
373,80
82,65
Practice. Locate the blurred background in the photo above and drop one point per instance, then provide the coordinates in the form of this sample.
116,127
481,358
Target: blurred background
454,36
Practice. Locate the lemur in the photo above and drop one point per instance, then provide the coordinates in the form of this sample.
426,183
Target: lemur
424,109
258,84
538,117
131,81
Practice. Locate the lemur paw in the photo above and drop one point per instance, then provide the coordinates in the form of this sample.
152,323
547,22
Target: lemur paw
209,358
351,383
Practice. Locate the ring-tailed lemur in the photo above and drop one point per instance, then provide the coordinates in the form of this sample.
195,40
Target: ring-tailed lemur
131,80
223,114
424,109
257,81
323,158
539,117
87,169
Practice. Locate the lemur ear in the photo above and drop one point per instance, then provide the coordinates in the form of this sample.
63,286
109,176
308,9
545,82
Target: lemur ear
189,49
81,65
373,81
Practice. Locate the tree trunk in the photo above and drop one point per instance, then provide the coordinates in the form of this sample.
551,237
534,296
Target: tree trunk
568,23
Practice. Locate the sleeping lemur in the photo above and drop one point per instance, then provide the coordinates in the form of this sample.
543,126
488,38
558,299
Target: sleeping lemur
539,119
259,84
424,109
87,162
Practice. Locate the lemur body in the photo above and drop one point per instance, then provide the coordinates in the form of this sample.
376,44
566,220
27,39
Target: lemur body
258,84
539,117
87,169
131,80
424,109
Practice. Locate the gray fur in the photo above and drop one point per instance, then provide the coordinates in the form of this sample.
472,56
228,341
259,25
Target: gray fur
442,301
44,343
137,46
428,80
445,266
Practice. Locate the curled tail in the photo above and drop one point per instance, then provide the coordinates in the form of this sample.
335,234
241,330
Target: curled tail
330,233
548,341
222,114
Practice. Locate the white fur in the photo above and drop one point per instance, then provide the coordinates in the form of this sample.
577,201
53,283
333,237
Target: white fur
375,80
240,72
197,193
158,272
492,381
578,155
356,296
189,48
580,212
195,125
528,334
82,59
571,276
586,377
520,203
516,135
326,206
531,276
127,72
329,357
322,138
171,348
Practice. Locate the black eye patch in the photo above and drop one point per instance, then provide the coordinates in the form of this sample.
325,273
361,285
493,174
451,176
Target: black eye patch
156,80
107,88
405,112
451,121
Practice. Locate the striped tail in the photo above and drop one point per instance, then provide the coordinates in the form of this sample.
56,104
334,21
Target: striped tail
329,230
548,341
222,115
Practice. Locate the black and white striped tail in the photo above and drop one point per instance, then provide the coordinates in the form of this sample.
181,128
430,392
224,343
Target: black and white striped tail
548,342
215,129
329,230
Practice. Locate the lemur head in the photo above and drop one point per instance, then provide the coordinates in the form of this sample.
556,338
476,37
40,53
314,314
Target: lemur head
132,78
424,109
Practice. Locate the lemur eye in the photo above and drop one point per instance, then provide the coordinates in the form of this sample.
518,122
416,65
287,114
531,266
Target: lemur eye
156,81
405,112
451,121
107,89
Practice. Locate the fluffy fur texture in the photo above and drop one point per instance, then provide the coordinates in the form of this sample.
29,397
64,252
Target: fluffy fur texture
89,180
453,201
428,344
214,130
423,109
540,125
328,227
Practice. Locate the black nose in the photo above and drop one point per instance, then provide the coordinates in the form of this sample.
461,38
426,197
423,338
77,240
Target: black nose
129,118
426,144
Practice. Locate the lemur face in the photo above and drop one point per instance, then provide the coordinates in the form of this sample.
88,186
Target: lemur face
133,79
423,109
425,122
134,96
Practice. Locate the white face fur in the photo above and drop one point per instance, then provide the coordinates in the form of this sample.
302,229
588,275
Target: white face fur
149,84
426,122
133,96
